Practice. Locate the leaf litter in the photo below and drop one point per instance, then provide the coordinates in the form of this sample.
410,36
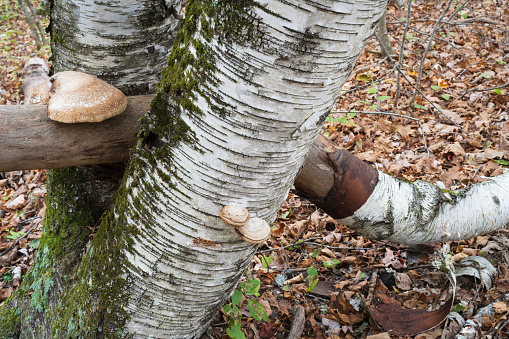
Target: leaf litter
464,75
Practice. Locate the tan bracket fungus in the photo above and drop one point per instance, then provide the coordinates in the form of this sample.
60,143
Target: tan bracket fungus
79,97
251,230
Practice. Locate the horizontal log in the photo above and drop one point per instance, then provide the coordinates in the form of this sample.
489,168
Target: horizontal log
30,140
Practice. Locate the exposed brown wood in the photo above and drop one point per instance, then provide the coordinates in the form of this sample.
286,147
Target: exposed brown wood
331,178
29,140
335,180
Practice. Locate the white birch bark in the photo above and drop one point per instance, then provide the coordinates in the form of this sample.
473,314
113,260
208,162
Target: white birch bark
280,95
124,42
420,212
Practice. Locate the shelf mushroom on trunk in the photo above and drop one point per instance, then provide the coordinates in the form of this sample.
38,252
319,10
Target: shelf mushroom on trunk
80,97
72,97
251,230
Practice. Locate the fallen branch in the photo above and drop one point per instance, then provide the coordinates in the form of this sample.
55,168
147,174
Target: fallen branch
299,320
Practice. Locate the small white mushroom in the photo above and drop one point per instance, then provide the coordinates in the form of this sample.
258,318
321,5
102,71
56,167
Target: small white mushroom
234,215
79,97
255,231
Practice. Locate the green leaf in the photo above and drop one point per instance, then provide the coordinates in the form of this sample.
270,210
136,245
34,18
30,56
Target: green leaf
250,287
419,106
312,284
384,97
500,62
257,311
363,276
34,243
497,91
7,276
15,235
459,308
410,36
365,77
373,107
235,331
363,102
435,87
287,213
331,263
266,261
351,115
343,120
227,308
236,297
372,90
445,96
502,162
315,253
19,213
312,272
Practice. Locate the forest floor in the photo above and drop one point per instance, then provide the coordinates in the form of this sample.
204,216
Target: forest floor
313,271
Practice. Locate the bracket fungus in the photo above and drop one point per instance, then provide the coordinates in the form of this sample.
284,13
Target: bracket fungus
79,97
251,230
255,231
234,215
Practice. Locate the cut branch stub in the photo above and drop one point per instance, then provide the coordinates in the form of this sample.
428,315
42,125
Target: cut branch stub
236,216
255,231
79,97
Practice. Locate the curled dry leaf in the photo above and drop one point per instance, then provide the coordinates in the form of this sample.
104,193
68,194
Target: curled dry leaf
403,321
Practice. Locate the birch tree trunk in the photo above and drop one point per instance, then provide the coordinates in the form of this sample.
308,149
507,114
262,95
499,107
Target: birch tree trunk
244,94
124,42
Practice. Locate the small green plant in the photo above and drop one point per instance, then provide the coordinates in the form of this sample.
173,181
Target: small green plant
435,88
500,62
497,91
445,96
7,276
312,278
331,263
460,307
266,261
286,214
15,235
419,106
342,119
410,36
248,288
502,162
486,75
372,90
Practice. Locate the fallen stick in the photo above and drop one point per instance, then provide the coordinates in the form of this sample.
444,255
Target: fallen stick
299,320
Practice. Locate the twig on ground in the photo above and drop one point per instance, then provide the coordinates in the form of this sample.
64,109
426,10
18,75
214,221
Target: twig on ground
308,242
30,23
299,319
481,90
421,65
425,97
37,22
400,59
368,84
18,239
